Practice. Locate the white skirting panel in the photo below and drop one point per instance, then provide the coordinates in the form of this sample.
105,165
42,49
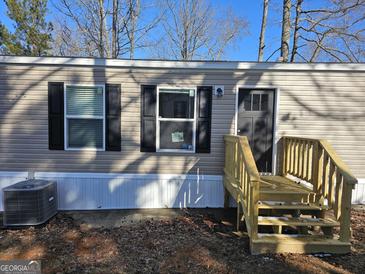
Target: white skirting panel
107,191
358,194
86,191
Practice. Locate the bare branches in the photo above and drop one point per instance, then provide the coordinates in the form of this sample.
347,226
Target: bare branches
192,31
333,33
113,28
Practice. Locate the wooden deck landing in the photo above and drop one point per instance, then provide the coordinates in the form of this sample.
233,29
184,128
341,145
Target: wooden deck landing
297,210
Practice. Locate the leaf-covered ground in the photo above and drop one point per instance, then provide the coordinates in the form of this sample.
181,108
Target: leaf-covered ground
190,243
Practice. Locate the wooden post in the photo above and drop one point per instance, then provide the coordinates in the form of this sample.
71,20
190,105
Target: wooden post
254,208
338,195
331,187
238,216
296,157
284,155
345,220
317,164
326,171
226,198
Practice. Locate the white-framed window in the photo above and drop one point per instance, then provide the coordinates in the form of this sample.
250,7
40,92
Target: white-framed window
84,117
176,119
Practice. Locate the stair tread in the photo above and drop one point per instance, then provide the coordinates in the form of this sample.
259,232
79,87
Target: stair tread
281,184
295,238
286,191
300,221
303,206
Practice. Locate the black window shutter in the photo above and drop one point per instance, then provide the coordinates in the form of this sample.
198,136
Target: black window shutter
204,119
148,118
113,113
55,116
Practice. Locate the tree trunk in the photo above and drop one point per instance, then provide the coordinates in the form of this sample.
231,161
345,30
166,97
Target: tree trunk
101,29
285,34
185,37
263,29
184,52
134,7
298,11
114,29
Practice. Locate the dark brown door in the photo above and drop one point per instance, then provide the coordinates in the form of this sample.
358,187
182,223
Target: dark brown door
256,121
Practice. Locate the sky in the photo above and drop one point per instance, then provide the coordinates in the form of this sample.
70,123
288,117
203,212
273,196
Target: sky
246,48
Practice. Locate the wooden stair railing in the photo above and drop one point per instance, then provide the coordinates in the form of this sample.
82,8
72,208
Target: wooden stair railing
242,179
316,162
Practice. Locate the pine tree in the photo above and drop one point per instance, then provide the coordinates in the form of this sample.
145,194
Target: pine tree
32,33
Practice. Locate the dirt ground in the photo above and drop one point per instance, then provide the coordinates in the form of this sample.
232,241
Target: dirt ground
189,243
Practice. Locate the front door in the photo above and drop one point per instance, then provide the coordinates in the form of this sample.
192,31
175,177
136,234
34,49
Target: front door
256,121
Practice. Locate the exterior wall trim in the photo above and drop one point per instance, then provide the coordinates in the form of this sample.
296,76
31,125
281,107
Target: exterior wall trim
148,176
164,64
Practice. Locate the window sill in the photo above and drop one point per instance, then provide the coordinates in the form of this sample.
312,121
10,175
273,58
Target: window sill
175,151
84,149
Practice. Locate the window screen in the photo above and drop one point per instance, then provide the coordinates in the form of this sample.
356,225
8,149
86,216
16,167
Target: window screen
85,117
176,119
176,103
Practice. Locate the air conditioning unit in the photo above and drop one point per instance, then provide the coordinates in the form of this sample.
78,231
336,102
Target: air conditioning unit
29,202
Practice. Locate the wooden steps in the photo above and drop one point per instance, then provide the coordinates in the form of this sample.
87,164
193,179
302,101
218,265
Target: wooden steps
287,196
282,189
295,206
311,196
300,221
280,243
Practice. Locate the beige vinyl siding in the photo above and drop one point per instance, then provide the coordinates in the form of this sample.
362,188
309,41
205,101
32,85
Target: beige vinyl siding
328,105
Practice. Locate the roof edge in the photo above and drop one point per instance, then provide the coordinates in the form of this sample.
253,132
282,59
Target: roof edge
161,64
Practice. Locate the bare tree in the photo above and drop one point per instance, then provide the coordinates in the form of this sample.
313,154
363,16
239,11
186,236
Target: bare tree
65,42
112,28
88,18
263,29
193,31
285,33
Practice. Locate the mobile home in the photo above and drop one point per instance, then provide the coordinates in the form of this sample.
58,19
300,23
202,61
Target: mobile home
150,133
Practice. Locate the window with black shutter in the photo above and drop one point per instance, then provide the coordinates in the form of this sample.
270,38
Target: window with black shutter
84,117
176,119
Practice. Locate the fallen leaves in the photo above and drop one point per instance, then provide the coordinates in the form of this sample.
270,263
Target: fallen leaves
191,243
